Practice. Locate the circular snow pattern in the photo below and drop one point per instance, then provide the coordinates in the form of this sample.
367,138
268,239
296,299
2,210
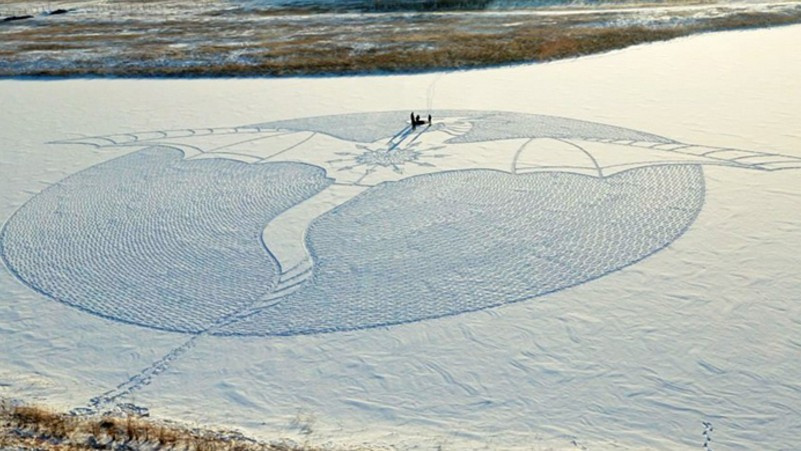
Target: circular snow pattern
455,242
160,240
153,239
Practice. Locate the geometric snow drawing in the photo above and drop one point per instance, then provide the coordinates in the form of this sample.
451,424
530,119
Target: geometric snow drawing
355,221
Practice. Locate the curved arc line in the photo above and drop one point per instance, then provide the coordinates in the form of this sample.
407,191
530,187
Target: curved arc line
290,148
518,153
79,141
640,164
249,140
469,112
588,154
165,134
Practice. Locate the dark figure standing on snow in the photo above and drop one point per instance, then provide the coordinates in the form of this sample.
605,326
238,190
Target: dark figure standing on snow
417,121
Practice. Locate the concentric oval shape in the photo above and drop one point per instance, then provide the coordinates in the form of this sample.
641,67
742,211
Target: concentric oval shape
164,241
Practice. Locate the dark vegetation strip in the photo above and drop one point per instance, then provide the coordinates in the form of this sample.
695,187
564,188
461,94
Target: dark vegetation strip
32,427
366,44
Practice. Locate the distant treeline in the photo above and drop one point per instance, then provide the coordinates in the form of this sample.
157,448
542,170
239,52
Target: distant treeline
39,7
429,5
376,5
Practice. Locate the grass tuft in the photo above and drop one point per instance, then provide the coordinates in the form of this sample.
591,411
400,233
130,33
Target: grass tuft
33,427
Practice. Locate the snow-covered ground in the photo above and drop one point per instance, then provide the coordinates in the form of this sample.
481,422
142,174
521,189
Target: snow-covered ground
598,269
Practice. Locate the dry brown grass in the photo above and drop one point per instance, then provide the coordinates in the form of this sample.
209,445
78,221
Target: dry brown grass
407,53
752,20
43,421
32,427
315,45
47,47
588,41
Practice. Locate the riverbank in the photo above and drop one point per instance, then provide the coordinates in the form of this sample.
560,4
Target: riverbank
36,427
210,40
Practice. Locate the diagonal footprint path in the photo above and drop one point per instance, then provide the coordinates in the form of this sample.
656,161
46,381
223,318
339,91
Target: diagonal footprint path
169,243
111,398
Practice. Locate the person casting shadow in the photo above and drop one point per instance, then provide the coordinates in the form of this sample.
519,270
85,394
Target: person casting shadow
417,121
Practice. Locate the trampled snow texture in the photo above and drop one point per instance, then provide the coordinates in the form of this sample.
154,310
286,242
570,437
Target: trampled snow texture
156,240
485,126
174,244
448,243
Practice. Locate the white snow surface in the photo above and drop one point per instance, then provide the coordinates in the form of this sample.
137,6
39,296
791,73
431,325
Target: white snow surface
707,329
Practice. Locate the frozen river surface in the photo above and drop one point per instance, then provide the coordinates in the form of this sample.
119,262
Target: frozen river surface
596,253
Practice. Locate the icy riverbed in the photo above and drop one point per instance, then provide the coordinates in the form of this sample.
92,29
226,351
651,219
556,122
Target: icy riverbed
643,279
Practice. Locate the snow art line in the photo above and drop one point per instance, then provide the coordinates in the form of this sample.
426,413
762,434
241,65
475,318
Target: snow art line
335,223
